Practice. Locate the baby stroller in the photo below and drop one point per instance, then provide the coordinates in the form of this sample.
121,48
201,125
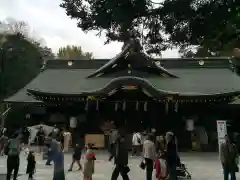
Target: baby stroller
182,172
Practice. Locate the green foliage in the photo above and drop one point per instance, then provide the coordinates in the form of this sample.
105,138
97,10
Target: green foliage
20,57
21,62
211,24
119,20
73,52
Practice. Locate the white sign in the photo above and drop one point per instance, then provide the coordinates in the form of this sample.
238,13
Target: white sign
222,132
222,128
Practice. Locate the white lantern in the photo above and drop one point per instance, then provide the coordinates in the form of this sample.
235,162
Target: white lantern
73,122
190,125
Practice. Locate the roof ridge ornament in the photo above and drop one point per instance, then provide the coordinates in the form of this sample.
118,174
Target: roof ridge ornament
132,50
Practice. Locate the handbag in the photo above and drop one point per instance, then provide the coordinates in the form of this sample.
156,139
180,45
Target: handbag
142,165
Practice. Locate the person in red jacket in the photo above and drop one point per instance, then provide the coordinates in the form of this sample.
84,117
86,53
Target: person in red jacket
161,168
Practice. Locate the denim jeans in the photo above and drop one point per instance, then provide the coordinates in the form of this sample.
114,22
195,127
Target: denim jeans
50,158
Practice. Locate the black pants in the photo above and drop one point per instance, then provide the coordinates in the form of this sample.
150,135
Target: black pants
111,151
12,165
172,172
119,169
149,168
136,150
30,175
227,171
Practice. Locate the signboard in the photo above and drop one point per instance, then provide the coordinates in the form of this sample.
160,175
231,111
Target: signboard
129,87
222,131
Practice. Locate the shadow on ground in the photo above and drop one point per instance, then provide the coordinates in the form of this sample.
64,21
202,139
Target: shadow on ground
3,176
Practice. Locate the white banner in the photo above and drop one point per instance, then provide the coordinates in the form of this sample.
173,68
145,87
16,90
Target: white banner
222,132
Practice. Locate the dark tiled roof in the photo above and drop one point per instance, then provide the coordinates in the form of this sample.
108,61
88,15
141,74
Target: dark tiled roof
168,63
22,97
212,78
192,81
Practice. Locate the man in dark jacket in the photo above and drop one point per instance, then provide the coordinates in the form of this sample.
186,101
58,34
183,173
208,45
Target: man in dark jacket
13,161
120,159
229,156
171,152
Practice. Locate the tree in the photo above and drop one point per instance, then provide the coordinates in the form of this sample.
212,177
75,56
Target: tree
211,24
21,59
120,20
73,52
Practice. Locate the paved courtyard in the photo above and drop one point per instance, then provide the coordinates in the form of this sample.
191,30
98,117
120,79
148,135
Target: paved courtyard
202,166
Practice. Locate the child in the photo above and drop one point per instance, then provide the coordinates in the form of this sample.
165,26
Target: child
76,157
90,157
31,165
161,168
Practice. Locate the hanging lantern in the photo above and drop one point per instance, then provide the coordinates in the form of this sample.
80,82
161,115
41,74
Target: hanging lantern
176,106
124,106
166,107
116,106
72,122
86,106
189,124
97,105
145,106
137,106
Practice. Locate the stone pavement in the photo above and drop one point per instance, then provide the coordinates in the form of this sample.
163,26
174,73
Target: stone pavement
202,166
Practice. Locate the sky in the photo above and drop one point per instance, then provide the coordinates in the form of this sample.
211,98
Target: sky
48,21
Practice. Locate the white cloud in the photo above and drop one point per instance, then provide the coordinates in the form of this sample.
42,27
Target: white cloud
50,22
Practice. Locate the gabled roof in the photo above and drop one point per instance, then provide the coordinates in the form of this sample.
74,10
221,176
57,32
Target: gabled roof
132,59
191,82
184,78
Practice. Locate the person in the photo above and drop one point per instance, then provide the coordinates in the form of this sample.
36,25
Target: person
58,160
149,155
54,132
3,143
61,136
31,165
40,138
228,157
171,156
52,150
89,163
136,143
112,142
160,144
120,159
161,167
76,157
238,143
25,135
13,151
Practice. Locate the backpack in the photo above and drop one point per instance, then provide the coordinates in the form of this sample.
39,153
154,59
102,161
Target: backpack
13,149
